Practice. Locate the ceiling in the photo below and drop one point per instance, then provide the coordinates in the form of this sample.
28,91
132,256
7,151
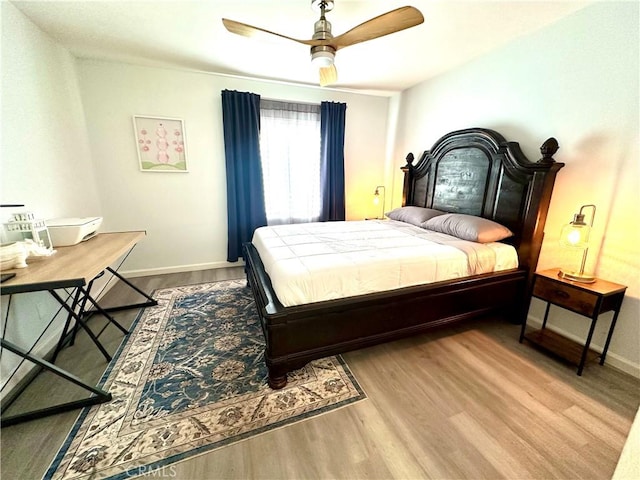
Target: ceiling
190,35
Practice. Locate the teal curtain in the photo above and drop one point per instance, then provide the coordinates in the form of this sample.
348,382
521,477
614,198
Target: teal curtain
245,192
332,125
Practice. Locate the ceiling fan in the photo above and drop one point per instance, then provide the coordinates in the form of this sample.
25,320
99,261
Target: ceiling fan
324,45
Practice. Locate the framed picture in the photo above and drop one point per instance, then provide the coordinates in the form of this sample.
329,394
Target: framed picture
161,144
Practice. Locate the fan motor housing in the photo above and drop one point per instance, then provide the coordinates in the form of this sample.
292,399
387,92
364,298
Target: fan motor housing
322,30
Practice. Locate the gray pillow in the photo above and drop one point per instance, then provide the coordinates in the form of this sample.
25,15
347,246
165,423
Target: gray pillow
413,215
468,227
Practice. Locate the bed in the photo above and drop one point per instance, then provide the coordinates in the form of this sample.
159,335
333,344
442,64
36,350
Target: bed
472,173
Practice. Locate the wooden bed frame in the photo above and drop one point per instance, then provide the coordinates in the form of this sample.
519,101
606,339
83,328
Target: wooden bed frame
474,171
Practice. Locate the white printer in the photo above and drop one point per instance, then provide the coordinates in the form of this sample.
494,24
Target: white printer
69,231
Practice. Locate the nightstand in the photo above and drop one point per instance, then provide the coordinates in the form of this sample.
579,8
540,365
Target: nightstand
586,299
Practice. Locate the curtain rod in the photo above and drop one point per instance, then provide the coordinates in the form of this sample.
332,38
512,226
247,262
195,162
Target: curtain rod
288,101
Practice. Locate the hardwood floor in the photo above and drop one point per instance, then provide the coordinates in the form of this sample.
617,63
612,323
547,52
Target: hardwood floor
461,402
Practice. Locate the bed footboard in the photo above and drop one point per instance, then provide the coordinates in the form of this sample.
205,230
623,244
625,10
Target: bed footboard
296,335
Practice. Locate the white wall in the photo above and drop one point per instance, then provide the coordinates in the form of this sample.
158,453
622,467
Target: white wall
576,80
46,163
185,213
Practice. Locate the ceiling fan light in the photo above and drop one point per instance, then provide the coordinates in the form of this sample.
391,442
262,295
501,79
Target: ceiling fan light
322,59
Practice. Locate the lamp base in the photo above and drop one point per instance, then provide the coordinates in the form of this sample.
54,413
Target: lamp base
576,277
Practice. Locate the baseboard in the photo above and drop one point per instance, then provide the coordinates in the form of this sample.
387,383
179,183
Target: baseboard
613,360
147,272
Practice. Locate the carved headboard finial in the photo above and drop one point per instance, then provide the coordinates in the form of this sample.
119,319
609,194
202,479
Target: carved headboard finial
409,166
548,150
410,158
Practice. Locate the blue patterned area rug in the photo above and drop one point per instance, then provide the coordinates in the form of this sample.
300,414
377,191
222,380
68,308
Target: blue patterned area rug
189,379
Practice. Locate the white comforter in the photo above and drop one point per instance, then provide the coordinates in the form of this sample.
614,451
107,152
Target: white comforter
313,262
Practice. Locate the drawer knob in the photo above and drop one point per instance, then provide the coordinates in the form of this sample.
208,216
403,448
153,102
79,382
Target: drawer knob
561,294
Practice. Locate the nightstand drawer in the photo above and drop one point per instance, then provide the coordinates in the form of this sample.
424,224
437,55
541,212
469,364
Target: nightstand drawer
566,296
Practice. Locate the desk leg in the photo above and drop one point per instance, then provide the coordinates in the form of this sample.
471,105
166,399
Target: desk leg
102,311
149,303
101,396
74,304
78,318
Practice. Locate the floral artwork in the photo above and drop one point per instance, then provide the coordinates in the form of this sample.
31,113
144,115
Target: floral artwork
160,143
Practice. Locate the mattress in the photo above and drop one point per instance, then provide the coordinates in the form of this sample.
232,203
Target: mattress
314,262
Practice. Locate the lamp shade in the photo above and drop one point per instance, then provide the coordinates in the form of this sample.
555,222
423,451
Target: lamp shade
576,234
322,59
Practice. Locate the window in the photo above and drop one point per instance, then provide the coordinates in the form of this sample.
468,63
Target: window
290,153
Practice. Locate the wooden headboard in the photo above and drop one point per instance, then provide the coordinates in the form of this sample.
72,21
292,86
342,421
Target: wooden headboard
477,172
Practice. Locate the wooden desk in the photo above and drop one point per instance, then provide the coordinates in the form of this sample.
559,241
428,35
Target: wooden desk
74,267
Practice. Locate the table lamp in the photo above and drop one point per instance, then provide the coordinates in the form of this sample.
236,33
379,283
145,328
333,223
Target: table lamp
576,234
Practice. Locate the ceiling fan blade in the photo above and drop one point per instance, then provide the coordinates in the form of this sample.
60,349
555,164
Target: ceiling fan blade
328,75
390,22
251,31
